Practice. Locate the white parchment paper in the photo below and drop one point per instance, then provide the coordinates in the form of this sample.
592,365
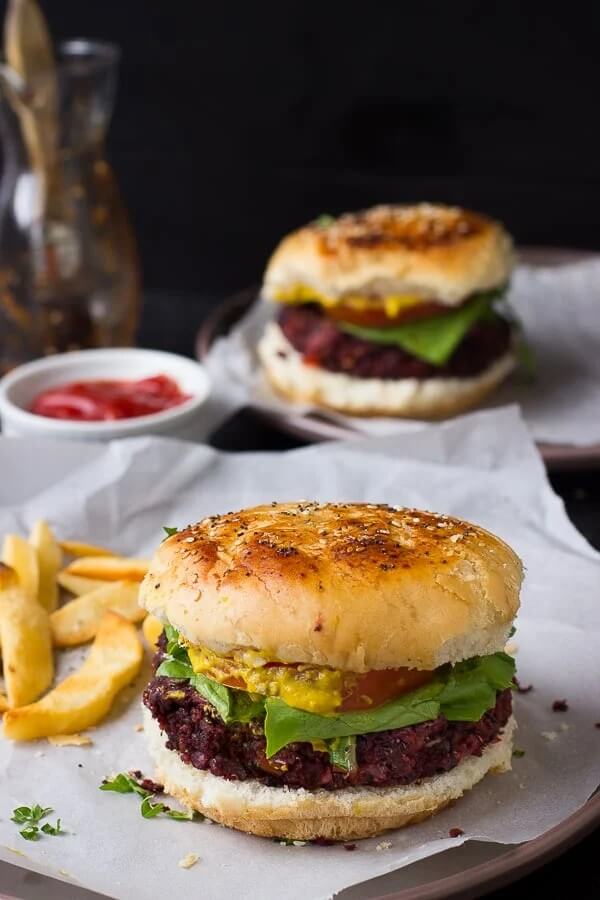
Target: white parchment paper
482,467
559,308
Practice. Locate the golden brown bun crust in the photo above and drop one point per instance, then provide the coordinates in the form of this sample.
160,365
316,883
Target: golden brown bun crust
437,252
409,398
351,586
344,815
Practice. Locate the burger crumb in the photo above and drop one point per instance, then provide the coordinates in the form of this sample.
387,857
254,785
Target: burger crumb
323,842
349,846
384,845
139,727
188,861
549,735
563,726
560,706
523,689
456,832
596,724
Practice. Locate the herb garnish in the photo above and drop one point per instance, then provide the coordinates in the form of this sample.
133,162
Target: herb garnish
125,783
30,817
169,531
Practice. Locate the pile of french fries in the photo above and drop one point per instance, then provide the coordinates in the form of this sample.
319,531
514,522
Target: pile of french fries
103,609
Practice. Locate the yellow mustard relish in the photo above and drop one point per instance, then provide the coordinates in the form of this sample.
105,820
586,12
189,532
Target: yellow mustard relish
391,303
311,688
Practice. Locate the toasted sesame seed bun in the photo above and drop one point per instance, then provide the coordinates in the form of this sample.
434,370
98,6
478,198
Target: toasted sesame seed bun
443,253
297,814
352,586
409,398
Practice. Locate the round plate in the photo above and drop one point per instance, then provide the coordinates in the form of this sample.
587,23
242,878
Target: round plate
313,427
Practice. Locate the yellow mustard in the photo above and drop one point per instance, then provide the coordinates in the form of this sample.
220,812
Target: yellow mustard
392,303
313,689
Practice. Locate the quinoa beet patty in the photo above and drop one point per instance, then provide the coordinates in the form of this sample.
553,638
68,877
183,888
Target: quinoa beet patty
384,759
322,343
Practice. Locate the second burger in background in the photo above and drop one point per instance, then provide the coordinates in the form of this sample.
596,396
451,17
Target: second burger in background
390,311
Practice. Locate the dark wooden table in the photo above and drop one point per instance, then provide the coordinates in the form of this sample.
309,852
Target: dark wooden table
170,322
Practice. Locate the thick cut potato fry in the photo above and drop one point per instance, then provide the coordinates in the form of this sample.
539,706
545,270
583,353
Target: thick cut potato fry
77,621
109,568
85,697
79,548
26,642
78,585
19,555
49,559
152,629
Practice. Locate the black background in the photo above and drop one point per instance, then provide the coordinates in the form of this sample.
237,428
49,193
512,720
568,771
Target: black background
237,121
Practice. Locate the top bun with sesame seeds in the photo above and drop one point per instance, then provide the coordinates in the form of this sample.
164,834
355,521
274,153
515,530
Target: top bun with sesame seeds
423,252
352,586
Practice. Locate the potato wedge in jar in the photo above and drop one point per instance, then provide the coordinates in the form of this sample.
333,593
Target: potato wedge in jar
78,620
80,548
109,568
27,660
49,557
19,555
84,698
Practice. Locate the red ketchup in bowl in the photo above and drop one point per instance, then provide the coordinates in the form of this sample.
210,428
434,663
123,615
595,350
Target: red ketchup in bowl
105,400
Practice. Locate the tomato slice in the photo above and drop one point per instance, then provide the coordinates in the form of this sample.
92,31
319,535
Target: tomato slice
378,318
374,688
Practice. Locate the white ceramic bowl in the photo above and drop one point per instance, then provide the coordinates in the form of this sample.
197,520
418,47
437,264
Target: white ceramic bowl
19,388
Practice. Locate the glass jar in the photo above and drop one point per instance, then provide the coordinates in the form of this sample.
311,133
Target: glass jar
69,273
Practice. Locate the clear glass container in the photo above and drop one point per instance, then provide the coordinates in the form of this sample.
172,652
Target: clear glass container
69,273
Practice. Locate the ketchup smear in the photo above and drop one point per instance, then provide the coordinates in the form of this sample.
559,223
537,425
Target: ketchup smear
98,401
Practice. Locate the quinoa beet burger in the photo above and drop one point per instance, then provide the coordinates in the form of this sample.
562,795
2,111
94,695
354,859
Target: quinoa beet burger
390,311
330,670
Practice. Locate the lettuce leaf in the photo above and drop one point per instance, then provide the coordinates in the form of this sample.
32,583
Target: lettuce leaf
433,339
463,692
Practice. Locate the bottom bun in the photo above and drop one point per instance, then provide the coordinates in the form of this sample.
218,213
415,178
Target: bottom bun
298,814
414,398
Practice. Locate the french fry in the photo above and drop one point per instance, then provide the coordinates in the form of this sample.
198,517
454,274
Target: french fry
109,568
26,642
49,559
152,629
80,548
78,585
78,621
19,555
3,703
85,697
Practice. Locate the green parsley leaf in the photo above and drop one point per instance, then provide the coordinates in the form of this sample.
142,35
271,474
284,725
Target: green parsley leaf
124,784
150,810
30,833
518,753
433,339
47,828
342,752
324,220
169,531
183,816
21,814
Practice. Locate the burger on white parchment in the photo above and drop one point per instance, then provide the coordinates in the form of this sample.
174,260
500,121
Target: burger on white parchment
330,670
